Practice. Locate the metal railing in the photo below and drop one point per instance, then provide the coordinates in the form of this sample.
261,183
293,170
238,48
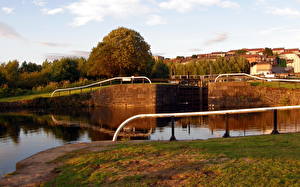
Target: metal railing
255,77
123,79
206,113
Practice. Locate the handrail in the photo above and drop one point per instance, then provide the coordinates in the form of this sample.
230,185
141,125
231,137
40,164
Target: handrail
207,113
104,81
255,77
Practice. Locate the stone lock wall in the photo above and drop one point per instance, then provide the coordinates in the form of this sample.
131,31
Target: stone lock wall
242,95
146,95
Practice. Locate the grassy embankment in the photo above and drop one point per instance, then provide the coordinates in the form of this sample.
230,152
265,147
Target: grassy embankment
45,95
248,161
277,85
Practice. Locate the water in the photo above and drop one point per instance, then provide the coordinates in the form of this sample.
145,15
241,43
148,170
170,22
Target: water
25,133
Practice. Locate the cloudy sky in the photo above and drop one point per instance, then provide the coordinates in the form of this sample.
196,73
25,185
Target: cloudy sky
34,30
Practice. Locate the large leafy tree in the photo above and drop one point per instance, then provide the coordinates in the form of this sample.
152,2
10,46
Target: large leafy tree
268,52
30,67
160,70
11,72
65,69
123,52
2,79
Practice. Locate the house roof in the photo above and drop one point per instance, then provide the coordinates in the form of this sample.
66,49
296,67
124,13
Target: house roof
257,49
295,49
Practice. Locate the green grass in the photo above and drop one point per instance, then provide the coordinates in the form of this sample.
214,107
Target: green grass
45,95
248,161
277,85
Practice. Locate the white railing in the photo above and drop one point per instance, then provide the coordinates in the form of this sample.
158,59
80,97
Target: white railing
255,77
207,113
123,79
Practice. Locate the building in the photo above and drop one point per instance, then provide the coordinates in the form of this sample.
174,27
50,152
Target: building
261,68
278,51
218,54
158,58
295,51
293,60
257,51
261,59
253,58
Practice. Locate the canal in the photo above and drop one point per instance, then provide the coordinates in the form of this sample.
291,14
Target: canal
24,133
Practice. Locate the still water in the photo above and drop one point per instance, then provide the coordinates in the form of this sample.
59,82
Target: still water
25,133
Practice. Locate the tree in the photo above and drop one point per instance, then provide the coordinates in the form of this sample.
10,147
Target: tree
241,52
268,52
281,62
194,56
160,70
2,79
30,67
11,72
123,52
65,69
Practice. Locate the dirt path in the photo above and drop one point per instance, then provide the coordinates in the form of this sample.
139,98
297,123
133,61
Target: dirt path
38,168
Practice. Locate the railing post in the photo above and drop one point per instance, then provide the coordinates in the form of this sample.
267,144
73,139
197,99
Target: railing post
173,138
275,123
227,134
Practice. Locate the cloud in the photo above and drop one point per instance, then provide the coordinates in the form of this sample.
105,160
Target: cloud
52,44
187,5
155,20
86,11
283,12
40,3
219,38
7,31
52,11
72,54
7,10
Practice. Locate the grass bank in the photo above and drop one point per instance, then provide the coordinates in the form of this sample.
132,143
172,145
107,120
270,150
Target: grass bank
247,161
277,85
46,95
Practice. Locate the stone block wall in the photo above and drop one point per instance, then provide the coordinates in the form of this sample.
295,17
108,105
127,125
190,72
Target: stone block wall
233,95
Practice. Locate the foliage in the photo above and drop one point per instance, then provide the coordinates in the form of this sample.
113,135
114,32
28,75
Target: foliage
241,52
2,79
268,52
160,70
29,67
65,69
123,52
281,62
247,161
180,57
11,72
236,64
194,56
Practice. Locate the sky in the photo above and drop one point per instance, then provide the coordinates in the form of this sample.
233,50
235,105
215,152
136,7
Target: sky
35,30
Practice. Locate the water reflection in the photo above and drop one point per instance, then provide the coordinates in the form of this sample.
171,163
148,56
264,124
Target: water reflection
27,132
